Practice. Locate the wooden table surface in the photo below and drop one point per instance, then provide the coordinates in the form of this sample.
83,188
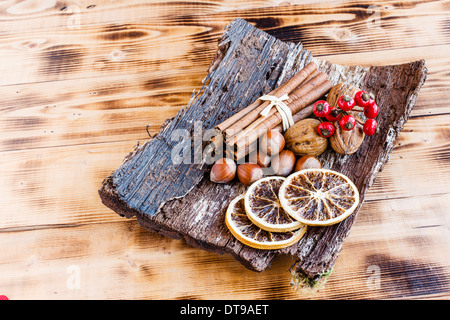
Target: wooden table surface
81,80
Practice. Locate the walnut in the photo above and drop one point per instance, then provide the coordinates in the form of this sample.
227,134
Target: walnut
345,142
303,139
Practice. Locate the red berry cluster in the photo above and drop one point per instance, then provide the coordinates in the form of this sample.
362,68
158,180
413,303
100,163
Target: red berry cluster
347,122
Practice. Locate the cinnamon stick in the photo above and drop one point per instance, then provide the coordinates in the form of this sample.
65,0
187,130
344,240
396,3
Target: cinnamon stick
273,120
243,113
295,95
307,87
302,114
249,114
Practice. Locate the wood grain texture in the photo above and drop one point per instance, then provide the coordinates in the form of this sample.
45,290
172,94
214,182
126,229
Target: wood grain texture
178,200
71,121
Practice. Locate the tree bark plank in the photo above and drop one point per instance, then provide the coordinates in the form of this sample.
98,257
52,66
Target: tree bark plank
179,201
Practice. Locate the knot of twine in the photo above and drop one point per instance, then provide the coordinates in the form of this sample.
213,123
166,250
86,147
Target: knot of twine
283,109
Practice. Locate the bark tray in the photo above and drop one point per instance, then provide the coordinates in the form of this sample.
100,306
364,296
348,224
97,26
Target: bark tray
179,201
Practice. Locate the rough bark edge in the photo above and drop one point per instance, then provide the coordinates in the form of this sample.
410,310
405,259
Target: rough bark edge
108,196
313,267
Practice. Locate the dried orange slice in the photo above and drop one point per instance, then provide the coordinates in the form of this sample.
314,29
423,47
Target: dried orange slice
251,235
318,197
264,208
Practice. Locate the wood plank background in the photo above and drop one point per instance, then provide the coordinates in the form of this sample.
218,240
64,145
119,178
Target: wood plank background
80,81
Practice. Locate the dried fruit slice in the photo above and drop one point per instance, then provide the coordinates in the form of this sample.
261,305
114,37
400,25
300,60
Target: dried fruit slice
251,235
318,197
264,208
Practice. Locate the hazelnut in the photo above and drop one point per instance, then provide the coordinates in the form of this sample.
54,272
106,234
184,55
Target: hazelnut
272,142
262,159
283,163
307,162
223,170
249,173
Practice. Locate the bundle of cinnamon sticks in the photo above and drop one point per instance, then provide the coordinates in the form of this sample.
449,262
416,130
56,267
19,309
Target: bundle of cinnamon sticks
241,131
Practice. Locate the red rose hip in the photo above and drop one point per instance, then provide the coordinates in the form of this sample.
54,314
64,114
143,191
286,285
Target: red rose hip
334,115
370,126
321,108
347,122
326,129
346,103
364,99
371,111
